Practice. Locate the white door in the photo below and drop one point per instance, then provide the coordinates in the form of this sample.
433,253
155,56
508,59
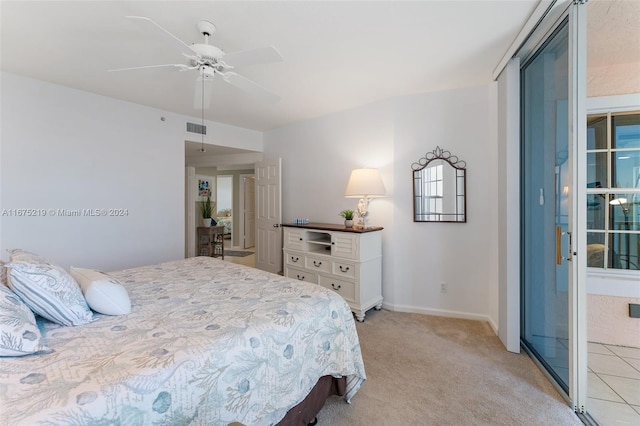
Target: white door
249,202
268,215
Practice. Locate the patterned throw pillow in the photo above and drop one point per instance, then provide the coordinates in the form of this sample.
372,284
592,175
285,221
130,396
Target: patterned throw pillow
19,334
47,289
19,255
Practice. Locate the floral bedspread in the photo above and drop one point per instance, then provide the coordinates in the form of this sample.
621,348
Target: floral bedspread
207,342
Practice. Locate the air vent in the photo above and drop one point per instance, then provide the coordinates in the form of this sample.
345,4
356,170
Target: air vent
196,128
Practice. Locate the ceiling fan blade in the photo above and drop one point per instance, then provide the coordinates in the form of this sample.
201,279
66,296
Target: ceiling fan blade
203,89
250,87
185,49
168,67
261,55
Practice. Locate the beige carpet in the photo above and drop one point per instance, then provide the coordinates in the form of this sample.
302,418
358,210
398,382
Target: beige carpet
426,370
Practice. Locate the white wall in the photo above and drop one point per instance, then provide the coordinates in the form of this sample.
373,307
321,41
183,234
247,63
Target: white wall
509,205
464,256
317,158
67,149
62,148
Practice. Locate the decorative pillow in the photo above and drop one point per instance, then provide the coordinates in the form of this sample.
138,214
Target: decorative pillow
19,255
50,292
19,334
103,293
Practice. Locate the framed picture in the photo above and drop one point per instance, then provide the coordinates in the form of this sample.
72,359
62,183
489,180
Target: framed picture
204,187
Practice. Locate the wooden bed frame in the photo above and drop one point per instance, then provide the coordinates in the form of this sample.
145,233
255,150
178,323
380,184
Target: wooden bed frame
305,412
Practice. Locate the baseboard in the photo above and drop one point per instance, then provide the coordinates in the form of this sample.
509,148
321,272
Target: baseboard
441,313
493,325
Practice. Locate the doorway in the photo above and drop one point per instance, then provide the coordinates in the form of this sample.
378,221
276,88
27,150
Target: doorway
224,205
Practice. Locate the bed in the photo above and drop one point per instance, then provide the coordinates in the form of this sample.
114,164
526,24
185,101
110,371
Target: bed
225,221
207,342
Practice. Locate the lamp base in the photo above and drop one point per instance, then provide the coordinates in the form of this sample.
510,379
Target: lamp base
363,221
363,213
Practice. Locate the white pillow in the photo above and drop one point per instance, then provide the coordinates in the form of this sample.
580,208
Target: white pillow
19,334
50,292
103,293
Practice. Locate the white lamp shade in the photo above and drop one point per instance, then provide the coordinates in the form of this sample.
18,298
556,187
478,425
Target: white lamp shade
618,201
365,183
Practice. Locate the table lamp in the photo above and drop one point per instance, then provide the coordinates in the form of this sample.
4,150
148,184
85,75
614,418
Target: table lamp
364,184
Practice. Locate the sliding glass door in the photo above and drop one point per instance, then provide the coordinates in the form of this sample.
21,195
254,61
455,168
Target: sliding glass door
553,127
545,225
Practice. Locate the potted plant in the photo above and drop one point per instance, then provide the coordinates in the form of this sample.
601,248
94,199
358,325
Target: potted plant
348,217
206,208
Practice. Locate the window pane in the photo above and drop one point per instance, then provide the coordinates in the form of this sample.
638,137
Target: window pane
624,250
597,133
625,169
596,211
626,131
597,170
595,250
624,212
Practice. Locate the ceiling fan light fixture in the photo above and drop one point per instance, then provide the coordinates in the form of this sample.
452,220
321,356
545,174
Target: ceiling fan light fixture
207,59
207,72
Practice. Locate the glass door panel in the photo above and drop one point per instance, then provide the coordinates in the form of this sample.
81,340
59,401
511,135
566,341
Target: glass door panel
546,185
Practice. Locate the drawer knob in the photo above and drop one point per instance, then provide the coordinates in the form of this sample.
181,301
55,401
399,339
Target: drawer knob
300,277
338,287
344,269
294,259
317,264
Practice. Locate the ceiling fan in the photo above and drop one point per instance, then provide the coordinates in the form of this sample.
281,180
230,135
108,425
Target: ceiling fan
210,61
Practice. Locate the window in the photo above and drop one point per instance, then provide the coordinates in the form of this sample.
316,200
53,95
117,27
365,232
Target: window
613,191
433,189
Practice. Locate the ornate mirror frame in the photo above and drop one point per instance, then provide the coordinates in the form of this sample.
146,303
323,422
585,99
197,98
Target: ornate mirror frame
439,188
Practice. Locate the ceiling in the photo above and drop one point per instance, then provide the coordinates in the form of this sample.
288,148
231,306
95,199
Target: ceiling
337,55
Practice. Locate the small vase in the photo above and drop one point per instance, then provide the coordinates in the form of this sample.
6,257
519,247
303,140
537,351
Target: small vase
206,221
348,223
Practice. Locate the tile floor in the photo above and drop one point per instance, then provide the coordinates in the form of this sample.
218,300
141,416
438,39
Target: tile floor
614,384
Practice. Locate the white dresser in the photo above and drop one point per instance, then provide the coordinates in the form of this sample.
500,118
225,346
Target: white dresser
346,260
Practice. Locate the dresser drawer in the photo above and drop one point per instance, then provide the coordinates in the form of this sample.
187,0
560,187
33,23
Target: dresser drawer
302,275
294,259
345,289
344,269
317,264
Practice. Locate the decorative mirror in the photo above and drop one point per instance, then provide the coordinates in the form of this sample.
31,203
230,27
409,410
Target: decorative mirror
439,188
